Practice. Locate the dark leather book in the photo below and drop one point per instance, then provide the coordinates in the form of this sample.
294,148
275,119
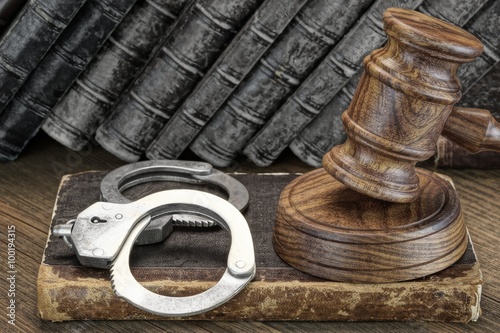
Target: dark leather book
113,69
8,10
327,79
193,260
485,25
79,42
485,93
27,40
193,45
232,66
305,145
309,37
323,131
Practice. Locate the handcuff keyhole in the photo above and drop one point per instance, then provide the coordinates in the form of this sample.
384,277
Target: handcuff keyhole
97,219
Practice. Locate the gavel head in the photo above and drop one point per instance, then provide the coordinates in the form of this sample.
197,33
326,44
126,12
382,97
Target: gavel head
401,104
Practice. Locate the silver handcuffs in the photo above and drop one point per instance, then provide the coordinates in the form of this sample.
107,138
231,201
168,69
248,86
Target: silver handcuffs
118,180
103,235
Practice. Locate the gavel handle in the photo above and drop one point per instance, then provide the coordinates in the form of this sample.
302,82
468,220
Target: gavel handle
473,129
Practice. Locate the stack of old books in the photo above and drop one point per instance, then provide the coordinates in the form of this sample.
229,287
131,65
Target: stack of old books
223,78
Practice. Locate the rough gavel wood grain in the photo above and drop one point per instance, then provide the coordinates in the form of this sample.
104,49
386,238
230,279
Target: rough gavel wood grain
329,230
379,219
401,105
474,129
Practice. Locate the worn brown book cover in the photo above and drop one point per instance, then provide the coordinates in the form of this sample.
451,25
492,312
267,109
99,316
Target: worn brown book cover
193,259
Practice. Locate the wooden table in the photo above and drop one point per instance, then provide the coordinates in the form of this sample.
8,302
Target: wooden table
29,186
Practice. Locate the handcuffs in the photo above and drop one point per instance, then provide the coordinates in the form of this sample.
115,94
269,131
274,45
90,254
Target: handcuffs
103,235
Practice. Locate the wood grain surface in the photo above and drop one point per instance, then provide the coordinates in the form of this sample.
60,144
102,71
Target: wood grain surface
28,190
328,230
401,104
473,129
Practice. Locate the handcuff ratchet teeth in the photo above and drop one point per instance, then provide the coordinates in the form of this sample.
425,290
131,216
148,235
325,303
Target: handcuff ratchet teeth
103,235
120,179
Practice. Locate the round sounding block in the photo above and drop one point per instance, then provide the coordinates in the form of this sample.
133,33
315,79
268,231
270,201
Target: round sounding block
328,230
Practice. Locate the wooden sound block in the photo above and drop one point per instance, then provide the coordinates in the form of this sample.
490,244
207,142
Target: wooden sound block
328,230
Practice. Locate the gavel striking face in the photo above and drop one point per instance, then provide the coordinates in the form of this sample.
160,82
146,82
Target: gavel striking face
402,104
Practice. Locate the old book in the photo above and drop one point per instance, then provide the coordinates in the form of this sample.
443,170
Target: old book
316,29
193,45
326,129
311,144
78,43
322,84
8,10
485,93
112,70
485,26
232,66
27,40
196,259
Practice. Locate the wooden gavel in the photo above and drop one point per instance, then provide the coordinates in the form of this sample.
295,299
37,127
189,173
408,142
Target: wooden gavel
404,101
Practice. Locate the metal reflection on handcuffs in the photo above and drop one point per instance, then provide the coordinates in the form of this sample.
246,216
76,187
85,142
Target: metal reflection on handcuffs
103,235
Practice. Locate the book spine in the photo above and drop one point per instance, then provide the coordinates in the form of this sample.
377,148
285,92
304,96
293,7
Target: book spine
232,66
326,129
55,73
59,299
322,84
452,11
111,71
326,92
28,39
314,31
8,10
192,47
486,26
485,93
